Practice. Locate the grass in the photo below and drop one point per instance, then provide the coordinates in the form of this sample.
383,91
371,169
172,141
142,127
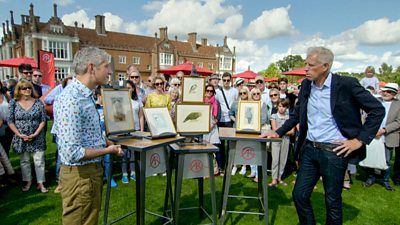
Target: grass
370,206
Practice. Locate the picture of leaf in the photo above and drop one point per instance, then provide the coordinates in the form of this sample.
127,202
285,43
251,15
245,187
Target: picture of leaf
192,116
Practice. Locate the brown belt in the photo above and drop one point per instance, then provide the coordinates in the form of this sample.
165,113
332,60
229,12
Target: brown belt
322,145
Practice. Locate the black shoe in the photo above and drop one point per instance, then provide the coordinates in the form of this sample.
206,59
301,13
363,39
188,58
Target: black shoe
387,186
368,183
396,182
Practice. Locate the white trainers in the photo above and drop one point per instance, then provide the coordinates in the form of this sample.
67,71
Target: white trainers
234,169
243,170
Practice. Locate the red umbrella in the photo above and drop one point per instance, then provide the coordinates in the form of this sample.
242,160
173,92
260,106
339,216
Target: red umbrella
382,84
186,68
271,79
15,62
296,72
246,75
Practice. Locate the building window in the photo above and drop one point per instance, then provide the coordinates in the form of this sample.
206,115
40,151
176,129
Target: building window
136,60
225,63
56,29
148,67
200,64
166,59
60,49
122,59
210,66
121,76
109,58
61,72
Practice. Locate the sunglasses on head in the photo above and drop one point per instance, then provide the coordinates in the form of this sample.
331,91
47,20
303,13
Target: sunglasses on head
36,75
26,88
159,84
273,95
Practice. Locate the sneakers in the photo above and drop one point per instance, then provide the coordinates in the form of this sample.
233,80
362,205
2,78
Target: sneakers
125,179
133,176
234,169
387,186
368,183
113,183
243,170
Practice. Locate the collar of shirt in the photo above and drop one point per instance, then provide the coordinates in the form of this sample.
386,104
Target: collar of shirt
327,82
86,92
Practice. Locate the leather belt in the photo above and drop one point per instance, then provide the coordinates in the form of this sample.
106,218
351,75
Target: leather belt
322,145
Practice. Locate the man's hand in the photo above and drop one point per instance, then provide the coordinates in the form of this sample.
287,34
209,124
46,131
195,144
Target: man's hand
347,147
115,149
270,134
380,132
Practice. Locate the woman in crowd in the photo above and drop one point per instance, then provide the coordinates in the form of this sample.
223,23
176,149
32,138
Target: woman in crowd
6,134
273,104
243,96
159,98
175,99
213,136
27,119
138,118
280,150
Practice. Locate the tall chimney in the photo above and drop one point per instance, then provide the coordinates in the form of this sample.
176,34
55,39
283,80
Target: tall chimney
12,17
55,10
8,28
176,38
4,29
225,41
100,28
163,33
76,28
204,41
192,39
234,50
103,24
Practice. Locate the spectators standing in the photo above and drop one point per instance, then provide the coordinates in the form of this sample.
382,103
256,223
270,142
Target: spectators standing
25,72
134,76
370,80
6,134
389,132
285,93
159,98
37,77
80,139
27,119
175,99
260,84
330,134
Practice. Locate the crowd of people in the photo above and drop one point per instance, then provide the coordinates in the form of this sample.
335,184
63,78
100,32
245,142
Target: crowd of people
310,116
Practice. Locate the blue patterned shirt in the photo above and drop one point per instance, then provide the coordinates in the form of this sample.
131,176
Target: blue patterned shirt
77,124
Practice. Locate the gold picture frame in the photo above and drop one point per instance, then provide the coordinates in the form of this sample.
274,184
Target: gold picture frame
159,121
193,118
117,108
248,117
193,89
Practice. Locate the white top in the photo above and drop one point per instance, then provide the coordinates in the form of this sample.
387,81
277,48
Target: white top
231,95
4,111
265,96
136,105
370,81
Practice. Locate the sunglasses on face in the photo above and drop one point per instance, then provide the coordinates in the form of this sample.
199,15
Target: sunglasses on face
259,82
210,91
26,88
36,75
256,93
27,72
273,95
226,80
159,84
243,93
177,85
136,77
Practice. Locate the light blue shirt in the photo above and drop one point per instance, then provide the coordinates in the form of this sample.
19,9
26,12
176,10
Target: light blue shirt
322,126
52,95
77,124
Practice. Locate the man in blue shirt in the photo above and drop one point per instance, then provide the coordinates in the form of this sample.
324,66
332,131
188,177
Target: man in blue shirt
331,133
80,139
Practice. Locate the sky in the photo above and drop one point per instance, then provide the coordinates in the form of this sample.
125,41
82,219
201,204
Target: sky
359,32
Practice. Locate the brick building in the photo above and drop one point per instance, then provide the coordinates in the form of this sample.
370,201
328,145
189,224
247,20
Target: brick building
149,53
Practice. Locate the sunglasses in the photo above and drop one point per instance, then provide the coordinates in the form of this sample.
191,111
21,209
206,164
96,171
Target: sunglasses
37,75
226,80
210,91
26,88
159,84
259,82
177,85
256,93
136,77
27,72
273,95
243,93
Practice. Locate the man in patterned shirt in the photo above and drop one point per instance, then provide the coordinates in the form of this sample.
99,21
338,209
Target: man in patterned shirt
80,140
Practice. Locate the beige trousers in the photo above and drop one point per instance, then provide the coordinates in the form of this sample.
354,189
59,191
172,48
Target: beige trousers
38,161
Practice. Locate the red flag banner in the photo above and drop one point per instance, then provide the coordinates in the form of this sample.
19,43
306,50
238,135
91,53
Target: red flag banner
46,65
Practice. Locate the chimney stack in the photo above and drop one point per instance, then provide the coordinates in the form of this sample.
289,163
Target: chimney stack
8,28
163,33
176,38
4,29
225,41
83,25
192,39
100,25
12,17
55,10
204,41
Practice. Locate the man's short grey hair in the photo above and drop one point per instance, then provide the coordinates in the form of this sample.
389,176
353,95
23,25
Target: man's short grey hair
325,55
86,56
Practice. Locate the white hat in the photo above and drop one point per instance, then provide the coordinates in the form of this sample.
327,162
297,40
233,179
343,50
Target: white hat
239,81
391,87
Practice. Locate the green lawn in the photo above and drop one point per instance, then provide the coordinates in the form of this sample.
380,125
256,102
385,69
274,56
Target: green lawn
363,206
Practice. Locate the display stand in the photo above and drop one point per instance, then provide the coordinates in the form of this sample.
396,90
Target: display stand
247,155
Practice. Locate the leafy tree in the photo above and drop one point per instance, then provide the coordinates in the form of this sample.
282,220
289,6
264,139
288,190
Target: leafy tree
271,71
385,69
290,62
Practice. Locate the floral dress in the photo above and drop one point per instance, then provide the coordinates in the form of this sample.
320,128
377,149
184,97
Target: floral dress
27,122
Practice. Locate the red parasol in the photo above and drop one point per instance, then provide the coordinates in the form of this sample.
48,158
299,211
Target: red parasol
271,79
15,62
186,68
296,72
246,75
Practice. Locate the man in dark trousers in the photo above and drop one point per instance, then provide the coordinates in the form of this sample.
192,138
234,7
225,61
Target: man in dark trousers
331,132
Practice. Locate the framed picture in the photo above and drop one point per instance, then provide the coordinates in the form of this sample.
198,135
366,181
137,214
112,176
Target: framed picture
193,118
159,122
249,117
118,116
193,89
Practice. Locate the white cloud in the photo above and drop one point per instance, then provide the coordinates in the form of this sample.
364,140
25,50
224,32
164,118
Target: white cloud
271,23
113,22
64,2
153,6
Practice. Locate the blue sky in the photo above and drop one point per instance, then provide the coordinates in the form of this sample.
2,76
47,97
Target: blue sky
360,33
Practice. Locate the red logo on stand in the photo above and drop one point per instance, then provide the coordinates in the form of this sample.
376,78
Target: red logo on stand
155,160
46,58
248,153
196,165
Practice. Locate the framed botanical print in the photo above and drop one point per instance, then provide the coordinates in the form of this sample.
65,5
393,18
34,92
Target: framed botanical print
193,118
248,117
118,116
159,122
193,89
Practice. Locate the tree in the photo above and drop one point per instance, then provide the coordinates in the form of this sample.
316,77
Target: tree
290,62
271,71
385,69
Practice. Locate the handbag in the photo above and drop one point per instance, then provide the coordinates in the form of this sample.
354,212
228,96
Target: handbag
376,157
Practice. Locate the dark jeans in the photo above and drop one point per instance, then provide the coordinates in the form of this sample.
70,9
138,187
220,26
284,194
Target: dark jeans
385,174
221,154
396,166
314,163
